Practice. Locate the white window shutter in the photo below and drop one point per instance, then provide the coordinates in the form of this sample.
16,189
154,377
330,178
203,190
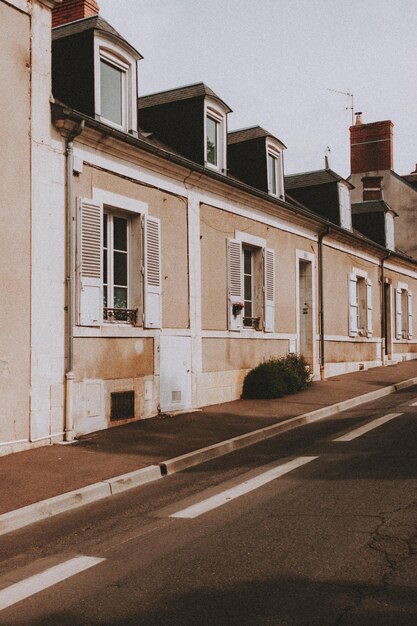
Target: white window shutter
398,314
234,283
152,273
269,290
353,305
410,314
368,307
89,263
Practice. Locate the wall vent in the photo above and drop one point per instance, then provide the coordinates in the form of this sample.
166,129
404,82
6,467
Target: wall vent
176,396
122,405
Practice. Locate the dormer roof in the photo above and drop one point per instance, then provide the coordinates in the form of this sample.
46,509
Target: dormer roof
252,132
372,206
180,93
96,23
317,177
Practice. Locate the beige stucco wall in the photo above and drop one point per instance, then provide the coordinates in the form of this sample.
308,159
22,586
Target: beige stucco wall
172,211
216,227
221,354
337,266
14,223
113,358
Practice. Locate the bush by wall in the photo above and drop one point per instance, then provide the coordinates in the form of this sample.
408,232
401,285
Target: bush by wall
277,378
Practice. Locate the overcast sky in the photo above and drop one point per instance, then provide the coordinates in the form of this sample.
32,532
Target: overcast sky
272,62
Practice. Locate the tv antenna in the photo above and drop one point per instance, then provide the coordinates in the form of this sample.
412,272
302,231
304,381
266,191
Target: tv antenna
345,93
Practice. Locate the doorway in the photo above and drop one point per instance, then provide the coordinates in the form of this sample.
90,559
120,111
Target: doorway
175,373
305,312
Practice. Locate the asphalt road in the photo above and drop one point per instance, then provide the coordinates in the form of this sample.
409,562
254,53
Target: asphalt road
301,529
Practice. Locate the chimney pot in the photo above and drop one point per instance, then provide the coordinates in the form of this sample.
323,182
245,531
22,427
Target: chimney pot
358,119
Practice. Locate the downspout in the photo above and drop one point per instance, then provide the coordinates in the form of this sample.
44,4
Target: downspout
321,299
383,308
69,130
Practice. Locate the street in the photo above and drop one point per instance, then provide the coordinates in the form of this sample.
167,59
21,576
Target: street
317,526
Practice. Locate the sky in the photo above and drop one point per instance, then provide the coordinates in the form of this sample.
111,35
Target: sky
274,61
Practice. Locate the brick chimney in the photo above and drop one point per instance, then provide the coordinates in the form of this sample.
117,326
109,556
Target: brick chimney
370,146
71,10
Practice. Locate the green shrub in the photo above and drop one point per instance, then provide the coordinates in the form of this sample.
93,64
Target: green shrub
277,378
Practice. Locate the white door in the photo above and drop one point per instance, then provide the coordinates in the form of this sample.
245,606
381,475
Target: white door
175,373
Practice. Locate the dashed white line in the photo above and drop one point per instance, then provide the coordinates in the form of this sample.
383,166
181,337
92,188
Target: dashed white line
357,432
239,490
34,584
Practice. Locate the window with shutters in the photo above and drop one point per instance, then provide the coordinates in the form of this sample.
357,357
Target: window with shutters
360,304
251,286
118,267
403,312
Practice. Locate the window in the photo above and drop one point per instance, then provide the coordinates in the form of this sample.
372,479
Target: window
212,140
272,174
403,312
275,173
112,81
215,137
116,268
360,304
112,248
251,285
115,85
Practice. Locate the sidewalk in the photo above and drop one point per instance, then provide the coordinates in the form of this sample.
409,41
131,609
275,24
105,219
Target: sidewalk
42,473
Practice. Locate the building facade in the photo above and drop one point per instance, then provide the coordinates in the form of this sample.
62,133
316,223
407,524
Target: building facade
163,256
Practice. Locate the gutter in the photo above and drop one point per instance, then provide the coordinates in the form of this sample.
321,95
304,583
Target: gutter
69,130
322,235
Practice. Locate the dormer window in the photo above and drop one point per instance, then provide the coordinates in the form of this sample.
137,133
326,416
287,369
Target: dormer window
115,86
274,171
215,137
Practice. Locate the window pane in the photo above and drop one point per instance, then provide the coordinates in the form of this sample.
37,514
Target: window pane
248,312
120,233
247,258
272,174
248,287
212,129
120,298
105,267
111,84
120,268
105,297
105,230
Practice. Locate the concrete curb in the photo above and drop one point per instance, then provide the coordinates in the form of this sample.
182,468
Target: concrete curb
38,511
196,457
13,520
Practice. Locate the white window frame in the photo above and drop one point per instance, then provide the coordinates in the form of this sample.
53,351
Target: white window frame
111,214
345,210
273,151
363,303
105,50
403,318
213,111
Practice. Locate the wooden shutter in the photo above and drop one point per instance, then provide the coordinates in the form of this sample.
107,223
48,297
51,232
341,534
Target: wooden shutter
234,283
353,305
368,307
410,314
89,263
152,273
269,290
398,314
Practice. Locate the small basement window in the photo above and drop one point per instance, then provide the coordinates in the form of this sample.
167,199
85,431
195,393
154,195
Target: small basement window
122,405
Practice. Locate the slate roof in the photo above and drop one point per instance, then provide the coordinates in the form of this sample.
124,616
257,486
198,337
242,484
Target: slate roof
371,206
96,22
411,179
180,93
246,134
310,179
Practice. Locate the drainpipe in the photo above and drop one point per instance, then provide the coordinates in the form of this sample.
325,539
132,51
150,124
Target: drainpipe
323,234
69,130
383,307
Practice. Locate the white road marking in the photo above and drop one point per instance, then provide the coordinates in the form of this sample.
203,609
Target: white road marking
34,584
357,432
239,490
